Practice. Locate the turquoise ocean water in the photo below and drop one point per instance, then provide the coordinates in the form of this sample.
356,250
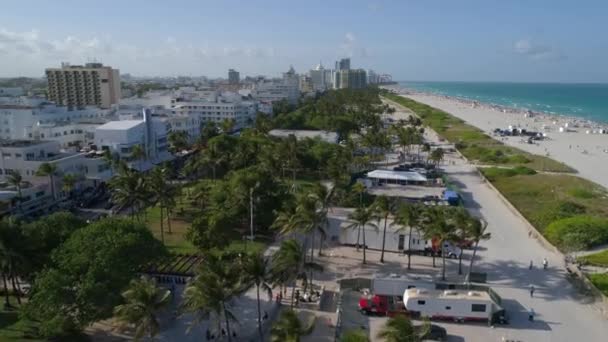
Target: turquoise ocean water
589,101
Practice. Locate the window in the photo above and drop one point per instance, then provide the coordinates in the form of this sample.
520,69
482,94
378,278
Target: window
448,308
421,302
478,308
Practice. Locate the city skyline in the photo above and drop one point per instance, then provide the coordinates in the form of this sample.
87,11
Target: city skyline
435,41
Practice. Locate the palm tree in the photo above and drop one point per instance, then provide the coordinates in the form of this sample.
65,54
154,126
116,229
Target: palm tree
409,215
287,328
310,218
324,196
209,294
164,192
362,218
178,140
143,299
359,189
50,170
354,335
111,159
257,272
287,264
462,220
288,149
441,227
477,232
69,181
384,207
401,329
426,147
13,257
138,153
437,156
129,188
228,125
15,179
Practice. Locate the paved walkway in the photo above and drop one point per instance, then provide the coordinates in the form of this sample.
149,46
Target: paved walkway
562,313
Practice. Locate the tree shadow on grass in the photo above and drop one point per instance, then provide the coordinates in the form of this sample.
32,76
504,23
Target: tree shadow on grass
8,318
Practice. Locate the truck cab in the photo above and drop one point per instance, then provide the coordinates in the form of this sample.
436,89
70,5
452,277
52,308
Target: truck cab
381,305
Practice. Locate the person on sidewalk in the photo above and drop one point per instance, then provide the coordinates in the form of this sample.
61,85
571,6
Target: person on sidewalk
532,289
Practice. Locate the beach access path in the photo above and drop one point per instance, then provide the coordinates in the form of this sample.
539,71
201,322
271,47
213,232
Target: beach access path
562,314
584,152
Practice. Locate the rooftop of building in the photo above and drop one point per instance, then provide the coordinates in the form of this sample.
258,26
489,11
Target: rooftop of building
123,124
397,175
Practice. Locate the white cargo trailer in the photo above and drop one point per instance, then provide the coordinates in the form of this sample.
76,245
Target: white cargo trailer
456,305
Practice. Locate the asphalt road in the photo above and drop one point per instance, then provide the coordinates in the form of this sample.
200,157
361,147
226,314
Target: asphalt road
562,314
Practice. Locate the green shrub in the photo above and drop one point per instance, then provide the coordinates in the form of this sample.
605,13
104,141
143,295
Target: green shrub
600,280
493,173
567,209
522,170
518,159
597,259
582,193
578,232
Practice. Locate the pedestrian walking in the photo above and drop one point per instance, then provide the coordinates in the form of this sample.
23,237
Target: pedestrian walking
531,264
545,263
532,289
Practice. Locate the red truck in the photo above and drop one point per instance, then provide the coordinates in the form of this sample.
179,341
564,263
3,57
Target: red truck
381,305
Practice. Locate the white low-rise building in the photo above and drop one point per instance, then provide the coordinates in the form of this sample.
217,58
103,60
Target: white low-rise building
38,119
120,137
26,156
217,108
273,90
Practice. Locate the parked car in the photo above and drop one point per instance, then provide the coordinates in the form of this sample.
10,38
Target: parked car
435,333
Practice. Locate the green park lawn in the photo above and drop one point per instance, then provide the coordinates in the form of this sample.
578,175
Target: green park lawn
473,143
596,259
11,327
181,219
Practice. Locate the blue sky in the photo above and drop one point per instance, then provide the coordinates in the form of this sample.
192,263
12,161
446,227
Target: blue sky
449,40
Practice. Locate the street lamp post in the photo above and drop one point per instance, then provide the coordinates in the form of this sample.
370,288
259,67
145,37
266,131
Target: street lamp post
251,237
251,213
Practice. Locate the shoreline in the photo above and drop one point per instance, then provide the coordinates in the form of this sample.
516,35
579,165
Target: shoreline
576,142
566,118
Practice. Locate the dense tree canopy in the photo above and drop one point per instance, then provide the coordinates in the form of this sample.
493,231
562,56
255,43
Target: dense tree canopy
88,273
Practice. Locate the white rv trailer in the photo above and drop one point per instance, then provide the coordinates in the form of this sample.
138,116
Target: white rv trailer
456,305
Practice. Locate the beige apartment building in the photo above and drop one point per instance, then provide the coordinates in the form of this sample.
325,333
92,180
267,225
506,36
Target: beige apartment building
77,86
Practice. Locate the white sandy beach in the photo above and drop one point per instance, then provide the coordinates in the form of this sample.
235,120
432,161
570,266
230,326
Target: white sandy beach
587,153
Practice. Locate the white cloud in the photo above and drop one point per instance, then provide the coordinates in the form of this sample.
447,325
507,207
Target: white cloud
35,50
374,6
350,47
536,51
